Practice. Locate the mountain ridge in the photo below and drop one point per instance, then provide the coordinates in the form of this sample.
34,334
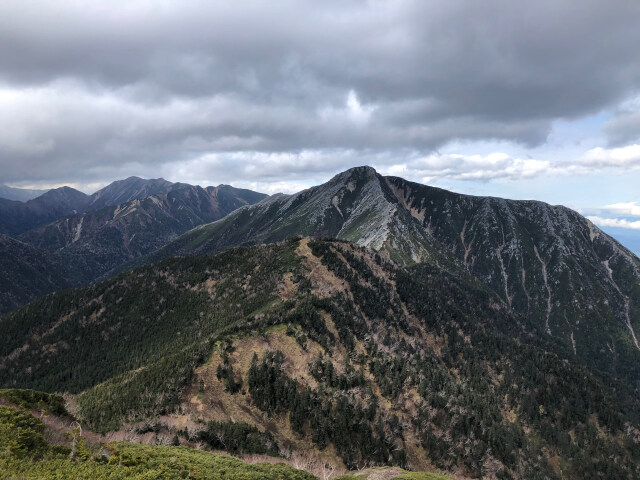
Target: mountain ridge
107,237
546,262
80,247
131,188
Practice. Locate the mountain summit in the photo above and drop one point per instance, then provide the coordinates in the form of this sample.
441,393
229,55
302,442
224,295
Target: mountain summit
132,188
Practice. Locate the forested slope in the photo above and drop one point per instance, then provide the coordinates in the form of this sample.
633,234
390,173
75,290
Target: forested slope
334,350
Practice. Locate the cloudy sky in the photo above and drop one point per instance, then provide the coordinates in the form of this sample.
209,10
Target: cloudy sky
518,99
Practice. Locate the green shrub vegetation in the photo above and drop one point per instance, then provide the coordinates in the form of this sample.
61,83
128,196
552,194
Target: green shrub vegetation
24,453
34,400
238,438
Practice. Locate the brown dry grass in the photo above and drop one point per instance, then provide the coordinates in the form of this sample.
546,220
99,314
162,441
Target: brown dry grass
324,283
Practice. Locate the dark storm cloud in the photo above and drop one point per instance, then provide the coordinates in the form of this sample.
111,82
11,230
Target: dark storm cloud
89,87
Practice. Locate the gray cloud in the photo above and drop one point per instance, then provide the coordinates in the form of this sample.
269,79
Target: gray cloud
624,127
90,91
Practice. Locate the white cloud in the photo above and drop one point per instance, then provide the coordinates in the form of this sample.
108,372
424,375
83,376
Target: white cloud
157,82
470,167
502,166
631,209
622,157
615,222
272,188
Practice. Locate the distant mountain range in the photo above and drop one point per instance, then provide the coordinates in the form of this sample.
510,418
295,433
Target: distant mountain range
19,194
86,236
18,217
95,242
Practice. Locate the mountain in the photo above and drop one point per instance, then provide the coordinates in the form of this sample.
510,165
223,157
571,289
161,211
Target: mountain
132,188
98,241
19,194
18,217
355,205
27,273
84,242
547,263
335,352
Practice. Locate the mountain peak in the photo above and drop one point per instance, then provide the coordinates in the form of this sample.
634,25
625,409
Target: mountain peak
61,194
362,169
526,252
361,172
131,188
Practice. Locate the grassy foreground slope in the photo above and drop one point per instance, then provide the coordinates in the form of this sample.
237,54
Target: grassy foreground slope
26,454
36,444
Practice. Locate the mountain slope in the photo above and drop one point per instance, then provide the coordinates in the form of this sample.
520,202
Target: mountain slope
17,217
355,205
335,351
548,264
27,273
